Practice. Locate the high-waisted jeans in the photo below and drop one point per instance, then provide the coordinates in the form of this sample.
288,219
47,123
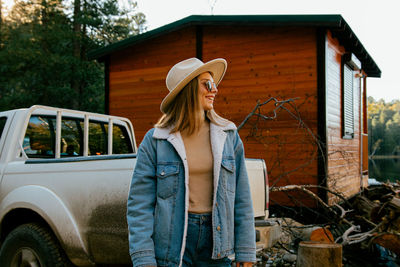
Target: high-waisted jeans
199,243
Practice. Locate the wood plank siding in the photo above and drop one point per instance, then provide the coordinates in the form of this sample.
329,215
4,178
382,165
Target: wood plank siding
343,170
137,77
289,57
266,62
263,62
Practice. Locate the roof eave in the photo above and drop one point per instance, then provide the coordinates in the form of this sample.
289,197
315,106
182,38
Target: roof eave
335,23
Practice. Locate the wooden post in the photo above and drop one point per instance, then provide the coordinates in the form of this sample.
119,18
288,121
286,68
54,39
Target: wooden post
316,254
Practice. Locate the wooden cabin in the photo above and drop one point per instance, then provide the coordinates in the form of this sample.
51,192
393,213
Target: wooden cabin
315,63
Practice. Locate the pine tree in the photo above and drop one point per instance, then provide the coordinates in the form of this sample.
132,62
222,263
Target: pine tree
43,50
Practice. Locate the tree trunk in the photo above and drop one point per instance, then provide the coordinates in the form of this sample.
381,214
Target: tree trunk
315,254
75,83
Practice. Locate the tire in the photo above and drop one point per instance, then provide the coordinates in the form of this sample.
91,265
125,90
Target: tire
32,245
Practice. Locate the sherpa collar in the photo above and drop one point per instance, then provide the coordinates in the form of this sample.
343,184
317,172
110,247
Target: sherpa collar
164,133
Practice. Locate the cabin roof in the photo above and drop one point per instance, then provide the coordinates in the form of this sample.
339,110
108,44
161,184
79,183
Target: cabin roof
335,23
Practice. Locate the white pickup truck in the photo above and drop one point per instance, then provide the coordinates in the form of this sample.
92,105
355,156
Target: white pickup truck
64,182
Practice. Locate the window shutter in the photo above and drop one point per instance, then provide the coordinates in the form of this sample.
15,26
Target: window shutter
348,103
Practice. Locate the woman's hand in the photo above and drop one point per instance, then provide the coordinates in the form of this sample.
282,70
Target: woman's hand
244,264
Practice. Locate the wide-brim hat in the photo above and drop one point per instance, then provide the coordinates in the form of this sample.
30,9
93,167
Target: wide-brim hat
183,72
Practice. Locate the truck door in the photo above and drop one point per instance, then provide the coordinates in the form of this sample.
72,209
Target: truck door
93,184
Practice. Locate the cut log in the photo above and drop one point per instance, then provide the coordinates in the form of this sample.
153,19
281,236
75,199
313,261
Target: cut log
305,233
316,254
376,193
395,203
389,241
367,208
316,233
322,235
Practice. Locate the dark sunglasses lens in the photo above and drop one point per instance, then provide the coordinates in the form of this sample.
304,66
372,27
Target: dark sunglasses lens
209,85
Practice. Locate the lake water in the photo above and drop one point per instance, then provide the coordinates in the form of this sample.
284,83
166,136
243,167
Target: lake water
384,169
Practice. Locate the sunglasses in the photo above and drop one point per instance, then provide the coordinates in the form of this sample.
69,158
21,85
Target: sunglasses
210,85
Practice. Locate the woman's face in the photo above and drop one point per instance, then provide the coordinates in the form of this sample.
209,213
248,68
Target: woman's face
206,97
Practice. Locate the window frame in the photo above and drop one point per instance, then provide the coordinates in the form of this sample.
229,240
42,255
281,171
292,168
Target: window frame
51,119
350,64
347,99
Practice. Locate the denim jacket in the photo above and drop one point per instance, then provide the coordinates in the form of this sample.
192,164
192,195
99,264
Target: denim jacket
158,202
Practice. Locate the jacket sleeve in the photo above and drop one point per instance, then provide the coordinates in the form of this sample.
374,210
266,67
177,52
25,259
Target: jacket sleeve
245,240
141,202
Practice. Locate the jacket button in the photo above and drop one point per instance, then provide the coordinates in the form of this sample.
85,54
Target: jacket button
219,228
162,173
216,204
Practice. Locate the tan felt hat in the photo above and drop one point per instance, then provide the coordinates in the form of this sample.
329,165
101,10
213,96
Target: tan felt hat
183,72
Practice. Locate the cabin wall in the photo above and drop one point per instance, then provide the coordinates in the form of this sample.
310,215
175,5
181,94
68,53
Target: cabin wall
343,166
265,62
137,77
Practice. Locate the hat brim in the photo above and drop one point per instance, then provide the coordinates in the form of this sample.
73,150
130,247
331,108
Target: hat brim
217,68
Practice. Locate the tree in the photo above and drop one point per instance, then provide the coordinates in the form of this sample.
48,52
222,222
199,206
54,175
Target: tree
1,13
383,126
43,51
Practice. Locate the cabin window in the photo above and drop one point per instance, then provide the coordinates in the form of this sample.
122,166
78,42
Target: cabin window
351,64
348,102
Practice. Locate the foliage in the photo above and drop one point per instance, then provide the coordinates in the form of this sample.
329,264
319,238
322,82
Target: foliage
43,51
383,127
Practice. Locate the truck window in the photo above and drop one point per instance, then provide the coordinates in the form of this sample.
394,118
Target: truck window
98,139
71,137
39,138
121,141
2,124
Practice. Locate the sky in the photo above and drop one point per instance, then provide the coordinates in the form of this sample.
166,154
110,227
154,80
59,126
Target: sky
376,24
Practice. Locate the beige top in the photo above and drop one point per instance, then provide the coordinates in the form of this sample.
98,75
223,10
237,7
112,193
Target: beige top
200,162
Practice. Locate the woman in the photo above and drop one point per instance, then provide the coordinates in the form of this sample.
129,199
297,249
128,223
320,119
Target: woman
189,202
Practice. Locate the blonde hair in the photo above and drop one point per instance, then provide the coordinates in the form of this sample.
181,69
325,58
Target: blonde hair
184,113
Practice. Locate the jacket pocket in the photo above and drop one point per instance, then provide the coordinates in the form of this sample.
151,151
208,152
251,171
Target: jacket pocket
228,174
167,179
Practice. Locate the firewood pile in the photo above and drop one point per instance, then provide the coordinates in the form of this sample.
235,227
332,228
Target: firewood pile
367,226
369,219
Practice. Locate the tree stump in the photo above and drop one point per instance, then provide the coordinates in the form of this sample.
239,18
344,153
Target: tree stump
316,254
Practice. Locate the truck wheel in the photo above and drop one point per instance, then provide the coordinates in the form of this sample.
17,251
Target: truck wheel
32,245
